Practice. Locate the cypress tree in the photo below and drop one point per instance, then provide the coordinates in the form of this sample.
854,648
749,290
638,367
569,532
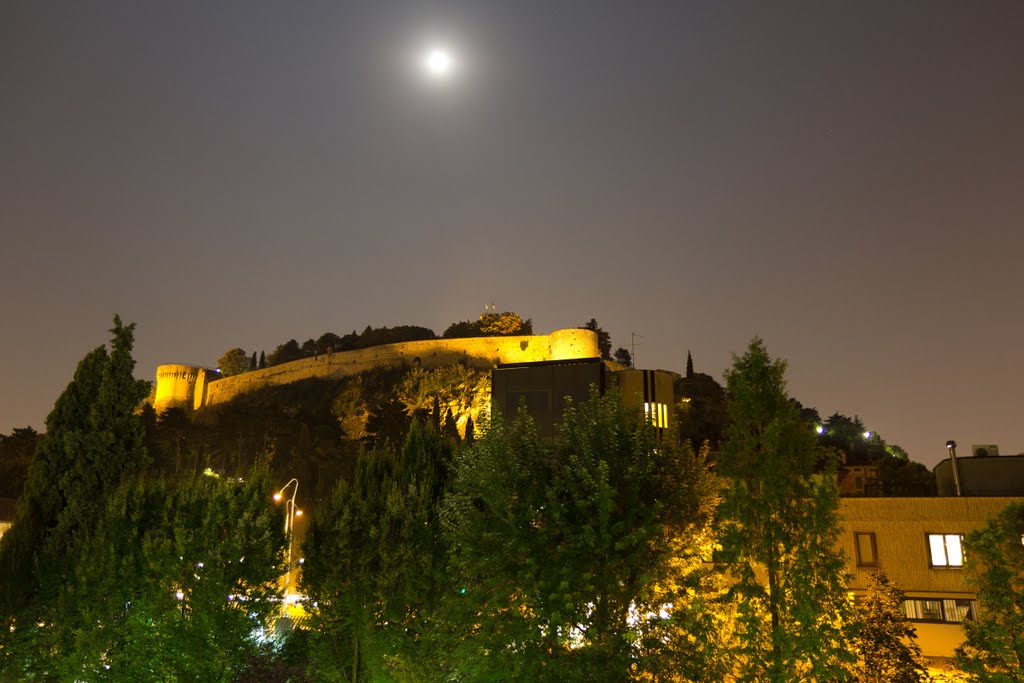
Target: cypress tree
689,365
93,442
435,414
263,359
450,430
252,361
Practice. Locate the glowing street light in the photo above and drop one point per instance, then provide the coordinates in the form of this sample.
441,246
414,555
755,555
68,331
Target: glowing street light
290,513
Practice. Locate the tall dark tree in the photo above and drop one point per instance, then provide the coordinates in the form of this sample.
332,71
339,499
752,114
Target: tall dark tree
263,359
781,524
253,361
375,566
16,451
93,442
450,428
689,365
285,353
388,422
701,409
462,329
328,342
623,356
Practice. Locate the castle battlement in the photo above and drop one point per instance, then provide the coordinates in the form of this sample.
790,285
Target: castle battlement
194,387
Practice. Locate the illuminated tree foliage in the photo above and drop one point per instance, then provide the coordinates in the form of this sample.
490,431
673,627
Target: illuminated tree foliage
886,641
375,566
583,561
93,442
994,649
780,522
233,362
492,324
175,582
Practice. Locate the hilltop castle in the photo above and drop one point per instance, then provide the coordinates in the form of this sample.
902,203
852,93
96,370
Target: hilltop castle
194,387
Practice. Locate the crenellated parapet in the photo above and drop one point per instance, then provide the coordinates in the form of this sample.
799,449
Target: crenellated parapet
195,387
181,386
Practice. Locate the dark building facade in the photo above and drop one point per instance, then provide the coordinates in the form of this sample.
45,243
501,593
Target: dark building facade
543,387
993,475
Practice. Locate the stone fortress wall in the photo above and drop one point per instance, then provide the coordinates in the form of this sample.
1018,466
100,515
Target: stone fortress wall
196,387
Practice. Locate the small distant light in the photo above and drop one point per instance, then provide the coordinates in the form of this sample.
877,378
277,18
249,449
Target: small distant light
462,592
277,496
179,595
200,565
819,429
867,435
298,513
302,560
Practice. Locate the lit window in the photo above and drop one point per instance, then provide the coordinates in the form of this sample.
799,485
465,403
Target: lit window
934,609
945,550
867,550
657,414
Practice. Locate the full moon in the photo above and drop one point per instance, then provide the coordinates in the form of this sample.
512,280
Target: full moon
438,62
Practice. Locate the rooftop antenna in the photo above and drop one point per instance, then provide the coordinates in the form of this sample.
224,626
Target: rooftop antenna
632,342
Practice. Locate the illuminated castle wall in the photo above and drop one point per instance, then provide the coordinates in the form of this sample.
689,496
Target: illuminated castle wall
195,387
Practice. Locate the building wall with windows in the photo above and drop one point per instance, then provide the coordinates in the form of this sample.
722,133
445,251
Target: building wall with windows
917,542
654,389
543,387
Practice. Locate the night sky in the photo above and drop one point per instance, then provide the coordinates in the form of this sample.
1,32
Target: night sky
845,180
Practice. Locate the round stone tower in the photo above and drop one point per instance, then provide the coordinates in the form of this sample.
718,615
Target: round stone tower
176,386
572,343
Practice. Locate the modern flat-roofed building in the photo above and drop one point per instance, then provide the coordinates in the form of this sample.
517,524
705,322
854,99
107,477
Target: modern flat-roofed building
543,387
918,543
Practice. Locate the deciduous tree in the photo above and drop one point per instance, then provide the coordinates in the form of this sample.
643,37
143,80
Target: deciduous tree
780,520
234,362
582,561
994,649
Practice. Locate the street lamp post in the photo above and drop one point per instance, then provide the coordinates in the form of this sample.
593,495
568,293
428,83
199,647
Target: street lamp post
290,513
